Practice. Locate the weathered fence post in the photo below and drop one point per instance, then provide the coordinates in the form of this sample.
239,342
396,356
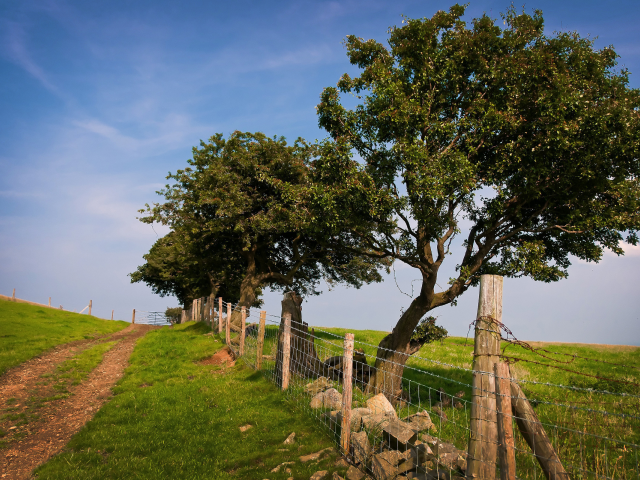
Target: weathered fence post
228,325
506,444
133,317
111,314
481,461
243,330
50,304
220,315
260,348
286,351
90,305
535,436
347,374
13,297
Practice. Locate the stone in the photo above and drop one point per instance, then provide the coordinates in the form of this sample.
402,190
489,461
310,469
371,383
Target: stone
244,428
328,399
356,417
384,465
399,435
461,462
342,462
277,469
354,474
290,439
438,411
419,421
380,404
460,394
458,405
319,385
361,447
375,421
319,475
315,456
422,453
336,476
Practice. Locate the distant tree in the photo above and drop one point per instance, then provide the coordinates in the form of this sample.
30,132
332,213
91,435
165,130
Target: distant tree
526,144
245,202
173,314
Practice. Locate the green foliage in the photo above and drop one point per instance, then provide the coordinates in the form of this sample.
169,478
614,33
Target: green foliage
28,330
240,215
173,314
530,139
427,331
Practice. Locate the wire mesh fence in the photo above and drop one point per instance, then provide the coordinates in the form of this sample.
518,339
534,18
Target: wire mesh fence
400,416
152,318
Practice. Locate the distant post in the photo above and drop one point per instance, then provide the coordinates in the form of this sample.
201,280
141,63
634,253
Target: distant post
49,302
228,325
13,297
243,330
111,314
133,317
481,461
286,351
347,373
90,305
263,318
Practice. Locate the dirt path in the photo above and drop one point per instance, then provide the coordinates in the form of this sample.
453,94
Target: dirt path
59,419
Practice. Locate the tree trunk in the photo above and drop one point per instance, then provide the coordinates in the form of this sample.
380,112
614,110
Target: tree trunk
394,350
304,359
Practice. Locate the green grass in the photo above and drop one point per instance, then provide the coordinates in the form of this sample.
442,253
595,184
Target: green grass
78,367
175,418
28,330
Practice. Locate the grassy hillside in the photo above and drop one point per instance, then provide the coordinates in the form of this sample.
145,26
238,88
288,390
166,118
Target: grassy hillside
28,330
173,417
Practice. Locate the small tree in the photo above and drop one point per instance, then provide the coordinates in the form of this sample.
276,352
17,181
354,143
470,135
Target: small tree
173,314
525,144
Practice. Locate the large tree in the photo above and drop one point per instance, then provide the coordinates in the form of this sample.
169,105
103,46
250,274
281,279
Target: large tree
517,147
244,200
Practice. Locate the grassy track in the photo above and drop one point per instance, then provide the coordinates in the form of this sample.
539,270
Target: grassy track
175,418
28,330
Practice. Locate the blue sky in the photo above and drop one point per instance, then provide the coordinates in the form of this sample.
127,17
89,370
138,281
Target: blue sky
100,100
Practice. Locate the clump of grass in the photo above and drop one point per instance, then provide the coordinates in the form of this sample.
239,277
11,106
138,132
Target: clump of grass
28,330
79,366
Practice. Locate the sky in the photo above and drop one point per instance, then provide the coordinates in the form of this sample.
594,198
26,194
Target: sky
100,100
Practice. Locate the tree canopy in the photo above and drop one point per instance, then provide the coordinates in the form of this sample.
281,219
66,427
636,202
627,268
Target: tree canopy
243,206
521,147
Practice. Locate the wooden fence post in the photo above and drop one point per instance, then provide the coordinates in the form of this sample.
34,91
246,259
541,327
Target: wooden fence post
243,330
133,317
347,374
260,348
90,305
506,444
50,304
220,315
535,436
228,325
286,351
481,460
111,314
13,297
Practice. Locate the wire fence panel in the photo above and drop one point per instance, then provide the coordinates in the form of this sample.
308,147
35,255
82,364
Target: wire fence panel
411,417
152,318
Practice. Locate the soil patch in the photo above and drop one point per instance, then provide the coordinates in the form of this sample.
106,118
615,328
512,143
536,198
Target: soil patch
36,441
224,356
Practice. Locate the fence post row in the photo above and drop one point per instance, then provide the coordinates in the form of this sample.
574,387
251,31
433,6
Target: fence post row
347,374
286,351
243,330
483,441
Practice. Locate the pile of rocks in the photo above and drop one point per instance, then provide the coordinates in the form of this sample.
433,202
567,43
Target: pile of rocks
402,448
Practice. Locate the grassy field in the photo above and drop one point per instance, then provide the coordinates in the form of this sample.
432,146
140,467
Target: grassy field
173,417
28,330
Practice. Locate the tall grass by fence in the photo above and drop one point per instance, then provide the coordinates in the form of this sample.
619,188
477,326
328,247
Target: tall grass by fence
448,420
